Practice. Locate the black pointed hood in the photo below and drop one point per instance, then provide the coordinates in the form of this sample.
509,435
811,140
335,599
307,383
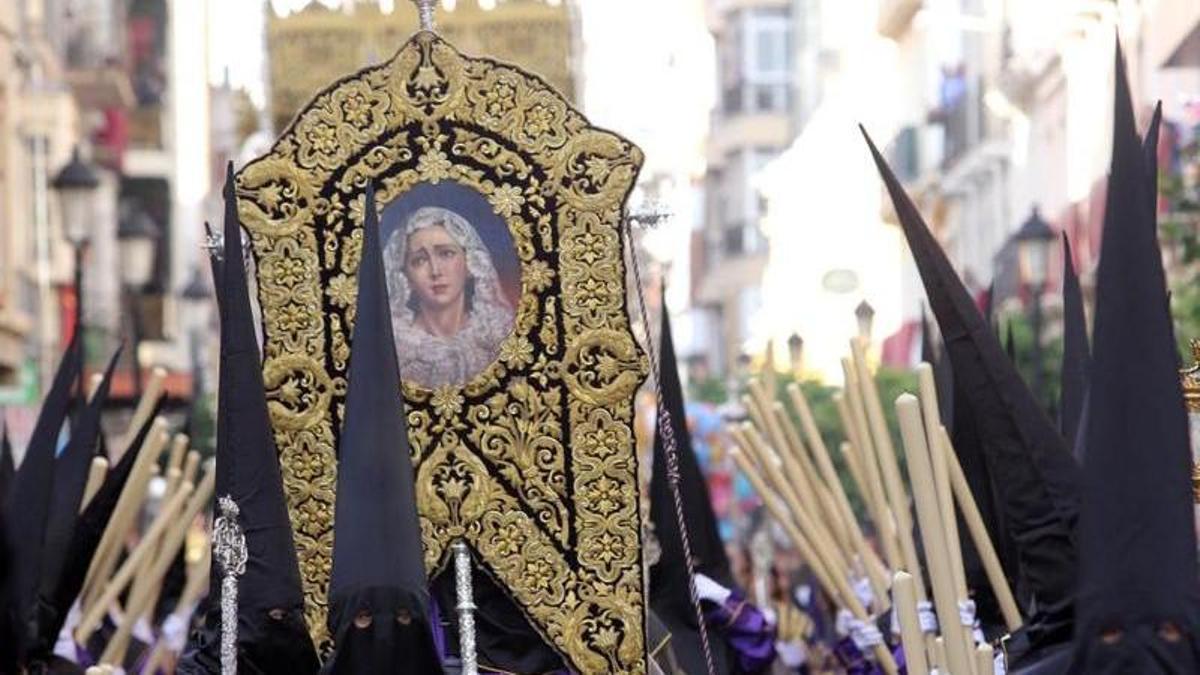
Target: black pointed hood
1076,351
8,635
27,505
55,604
1150,153
943,373
670,589
1034,477
8,464
989,304
248,472
928,351
378,565
70,478
1137,527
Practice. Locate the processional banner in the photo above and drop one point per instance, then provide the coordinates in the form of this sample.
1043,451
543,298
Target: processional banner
520,409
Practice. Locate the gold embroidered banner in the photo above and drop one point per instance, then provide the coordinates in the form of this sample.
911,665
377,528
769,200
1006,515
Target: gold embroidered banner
501,209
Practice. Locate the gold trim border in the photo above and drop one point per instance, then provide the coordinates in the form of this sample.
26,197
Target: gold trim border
532,461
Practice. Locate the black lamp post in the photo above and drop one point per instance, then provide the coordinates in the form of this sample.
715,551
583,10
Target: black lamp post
196,296
1034,239
865,314
136,235
76,185
795,346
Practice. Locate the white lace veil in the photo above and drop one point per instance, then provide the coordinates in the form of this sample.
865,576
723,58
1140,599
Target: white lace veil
487,296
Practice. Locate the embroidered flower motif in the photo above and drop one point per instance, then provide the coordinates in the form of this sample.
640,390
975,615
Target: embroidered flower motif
507,200
342,291
285,271
313,517
538,121
323,139
538,275
516,352
357,110
499,99
604,495
510,539
605,547
539,573
289,393
606,638
454,489
434,166
603,437
447,402
292,318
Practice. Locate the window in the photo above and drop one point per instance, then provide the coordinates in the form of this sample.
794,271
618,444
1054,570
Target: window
766,70
733,240
755,61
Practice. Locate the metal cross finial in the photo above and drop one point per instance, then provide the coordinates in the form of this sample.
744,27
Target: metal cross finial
425,13
650,216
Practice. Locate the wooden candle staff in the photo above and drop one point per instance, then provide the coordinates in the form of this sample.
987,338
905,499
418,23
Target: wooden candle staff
124,513
979,535
96,473
916,451
92,615
905,595
840,586
887,523
785,485
141,600
886,455
874,568
941,477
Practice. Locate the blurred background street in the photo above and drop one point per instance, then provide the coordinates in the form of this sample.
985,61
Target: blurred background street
778,246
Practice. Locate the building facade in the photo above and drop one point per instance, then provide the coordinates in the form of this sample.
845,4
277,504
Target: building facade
1015,114
751,125
125,83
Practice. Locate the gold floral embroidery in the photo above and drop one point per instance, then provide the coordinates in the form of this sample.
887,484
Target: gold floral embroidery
532,461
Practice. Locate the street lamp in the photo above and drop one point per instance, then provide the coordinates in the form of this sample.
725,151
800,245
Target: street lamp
865,314
1034,239
137,235
795,346
76,185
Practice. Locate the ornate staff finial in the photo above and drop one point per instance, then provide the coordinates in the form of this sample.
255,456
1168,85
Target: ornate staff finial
425,13
229,547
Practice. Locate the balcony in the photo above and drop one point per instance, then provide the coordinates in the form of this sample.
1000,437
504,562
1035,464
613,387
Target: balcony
964,122
748,98
741,239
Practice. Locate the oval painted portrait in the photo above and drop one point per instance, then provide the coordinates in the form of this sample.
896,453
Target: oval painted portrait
453,279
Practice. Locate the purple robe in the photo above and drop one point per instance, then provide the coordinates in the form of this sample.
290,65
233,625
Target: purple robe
856,663
745,629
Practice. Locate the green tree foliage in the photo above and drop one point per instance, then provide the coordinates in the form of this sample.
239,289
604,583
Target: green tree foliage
202,426
1179,235
891,382
1026,357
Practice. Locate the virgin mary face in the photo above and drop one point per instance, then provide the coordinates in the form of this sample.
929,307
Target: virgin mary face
436,268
